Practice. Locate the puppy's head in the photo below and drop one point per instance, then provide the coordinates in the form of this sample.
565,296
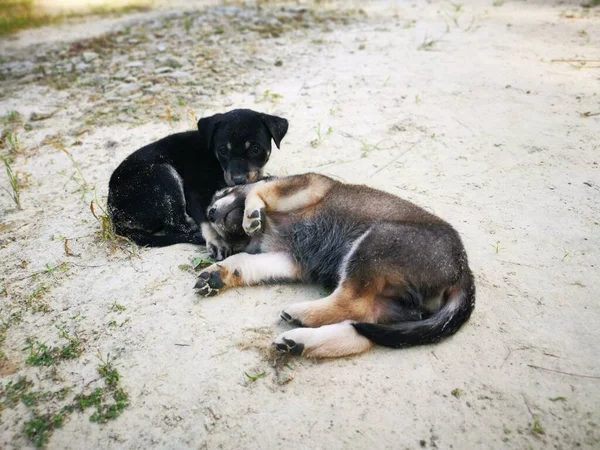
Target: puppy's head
241,141
226,212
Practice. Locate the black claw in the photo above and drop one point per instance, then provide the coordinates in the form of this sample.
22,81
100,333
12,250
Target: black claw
297,349
285,316
254,214
255,224
289,346
205,275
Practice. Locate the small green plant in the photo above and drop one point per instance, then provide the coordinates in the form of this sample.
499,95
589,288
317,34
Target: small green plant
107,371
32,398
558,399
39,428
41,354
187,23
12,141
565,254
84,186
496,247
456,392
107,230
317,141
117,307
253,378
536,427
366,147
428,44
498,3
109,403
106,411
10,117
269,96
180,101
86,401
15,189
13,391
199,262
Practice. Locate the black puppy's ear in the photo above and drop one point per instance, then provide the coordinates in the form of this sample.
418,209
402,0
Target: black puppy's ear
206,127
277,126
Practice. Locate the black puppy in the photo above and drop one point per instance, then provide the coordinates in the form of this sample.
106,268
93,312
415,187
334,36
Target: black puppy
159,194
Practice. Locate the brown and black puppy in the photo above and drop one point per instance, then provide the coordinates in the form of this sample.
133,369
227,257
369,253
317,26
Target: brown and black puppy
399,274
158,195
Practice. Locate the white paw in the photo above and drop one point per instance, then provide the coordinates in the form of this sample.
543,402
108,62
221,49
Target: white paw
254,216
293,341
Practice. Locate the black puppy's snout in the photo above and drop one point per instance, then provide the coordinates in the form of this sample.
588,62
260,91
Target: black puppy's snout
239,179
212,212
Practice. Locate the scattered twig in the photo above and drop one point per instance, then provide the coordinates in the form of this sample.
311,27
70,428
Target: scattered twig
68,251
527,405
564,373
575,60
87,384
182,345
397,157
589,114
510,350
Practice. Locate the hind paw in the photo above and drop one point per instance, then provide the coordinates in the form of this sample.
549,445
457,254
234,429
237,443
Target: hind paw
285,345
254,216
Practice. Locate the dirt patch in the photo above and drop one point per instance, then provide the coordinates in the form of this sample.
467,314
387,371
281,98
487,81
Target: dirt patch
484,113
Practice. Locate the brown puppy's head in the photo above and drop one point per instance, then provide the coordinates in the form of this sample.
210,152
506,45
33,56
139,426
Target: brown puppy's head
241,142
226,212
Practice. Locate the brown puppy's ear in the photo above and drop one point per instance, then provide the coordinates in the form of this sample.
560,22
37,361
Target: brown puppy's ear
277,126
206,127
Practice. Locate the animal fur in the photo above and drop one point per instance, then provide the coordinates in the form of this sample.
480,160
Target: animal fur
399,275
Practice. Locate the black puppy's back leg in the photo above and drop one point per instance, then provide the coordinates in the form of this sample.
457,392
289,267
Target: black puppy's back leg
178,221
150,209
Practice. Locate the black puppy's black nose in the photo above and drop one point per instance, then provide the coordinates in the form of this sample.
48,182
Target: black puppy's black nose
211,214
238,179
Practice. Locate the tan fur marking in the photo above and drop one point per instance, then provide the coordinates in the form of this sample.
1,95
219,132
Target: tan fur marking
347,302
290,194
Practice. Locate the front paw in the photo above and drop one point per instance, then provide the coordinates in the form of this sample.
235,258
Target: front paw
218,249
210,281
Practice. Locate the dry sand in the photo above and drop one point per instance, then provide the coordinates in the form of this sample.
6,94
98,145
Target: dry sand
479,126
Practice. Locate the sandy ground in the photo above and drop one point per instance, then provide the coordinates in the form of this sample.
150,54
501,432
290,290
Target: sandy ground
479,126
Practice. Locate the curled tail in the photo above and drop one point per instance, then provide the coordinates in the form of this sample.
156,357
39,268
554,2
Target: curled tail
445,322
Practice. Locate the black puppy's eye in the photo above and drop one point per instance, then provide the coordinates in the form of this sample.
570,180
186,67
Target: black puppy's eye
254,150
224,151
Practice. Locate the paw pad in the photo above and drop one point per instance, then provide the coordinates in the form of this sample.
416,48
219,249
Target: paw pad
253,222
209,284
